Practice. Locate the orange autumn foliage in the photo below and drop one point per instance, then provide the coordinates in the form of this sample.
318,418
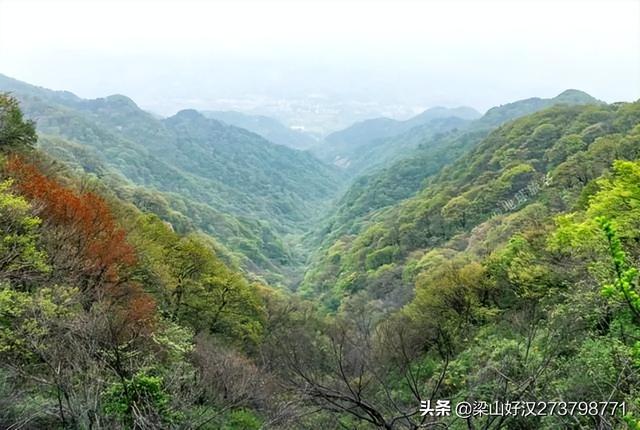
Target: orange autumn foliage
141,309
89,248
93,244
132,311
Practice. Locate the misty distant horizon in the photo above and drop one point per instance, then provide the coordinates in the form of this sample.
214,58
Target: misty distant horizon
319,214
257,109
324,65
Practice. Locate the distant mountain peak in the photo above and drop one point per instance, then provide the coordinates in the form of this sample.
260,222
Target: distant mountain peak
575,97
267,127
189,114
121,100
510,111
194,120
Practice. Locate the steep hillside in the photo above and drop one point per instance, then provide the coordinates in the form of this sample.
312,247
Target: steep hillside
368,142
511,274
249,193
269,128
506,171
269,180
100,301
424,155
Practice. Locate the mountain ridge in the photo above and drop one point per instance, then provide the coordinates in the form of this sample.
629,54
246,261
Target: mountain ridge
267,127
250,194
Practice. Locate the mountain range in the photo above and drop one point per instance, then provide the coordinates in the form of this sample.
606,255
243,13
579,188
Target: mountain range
267,206
269,128
376,142
250,194
184,272
349,148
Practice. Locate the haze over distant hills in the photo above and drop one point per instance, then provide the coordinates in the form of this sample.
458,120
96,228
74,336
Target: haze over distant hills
198,173
474,236
374,142
269,128
344,147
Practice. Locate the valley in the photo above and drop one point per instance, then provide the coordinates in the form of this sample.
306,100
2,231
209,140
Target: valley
319,215
314,284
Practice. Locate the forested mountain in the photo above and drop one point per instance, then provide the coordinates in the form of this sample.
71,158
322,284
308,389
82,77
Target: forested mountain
512,274
422,154
269,128
500,114
380,253
376,142
498,260
250,194
100,304
368,143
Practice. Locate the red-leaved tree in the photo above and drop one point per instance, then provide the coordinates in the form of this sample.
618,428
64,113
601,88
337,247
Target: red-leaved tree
87,247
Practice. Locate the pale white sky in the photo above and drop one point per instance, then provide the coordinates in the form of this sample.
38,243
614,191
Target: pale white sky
168,55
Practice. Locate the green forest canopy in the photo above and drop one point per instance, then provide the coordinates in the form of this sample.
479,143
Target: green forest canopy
511,273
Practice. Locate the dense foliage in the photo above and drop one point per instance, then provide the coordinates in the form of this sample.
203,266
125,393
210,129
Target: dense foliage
253,196
269,128
419,154
511,168
507,271
376,141
100,305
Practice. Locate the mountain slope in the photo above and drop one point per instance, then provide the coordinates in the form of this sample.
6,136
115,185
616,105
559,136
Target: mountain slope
353,147
86,278
501,114
251,194
269,128
424,155
572,143
378,141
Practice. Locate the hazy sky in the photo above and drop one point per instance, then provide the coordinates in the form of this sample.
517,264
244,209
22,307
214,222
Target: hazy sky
168,55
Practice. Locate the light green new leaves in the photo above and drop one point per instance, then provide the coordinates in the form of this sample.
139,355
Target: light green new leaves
618,199
623,287
19,252
28,319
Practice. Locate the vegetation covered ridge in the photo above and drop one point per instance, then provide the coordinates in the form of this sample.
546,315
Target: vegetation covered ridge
510,274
